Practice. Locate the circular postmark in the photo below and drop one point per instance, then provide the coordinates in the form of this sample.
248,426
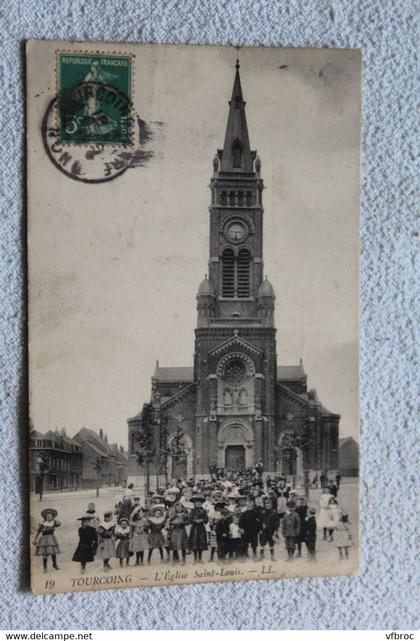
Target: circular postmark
93,134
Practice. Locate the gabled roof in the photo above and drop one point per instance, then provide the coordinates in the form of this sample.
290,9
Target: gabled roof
238,341
174,374
290,372
94,440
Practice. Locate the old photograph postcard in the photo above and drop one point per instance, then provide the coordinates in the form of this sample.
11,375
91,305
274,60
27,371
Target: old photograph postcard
193,258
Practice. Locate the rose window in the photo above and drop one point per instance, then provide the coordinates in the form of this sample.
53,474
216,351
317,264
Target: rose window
235,372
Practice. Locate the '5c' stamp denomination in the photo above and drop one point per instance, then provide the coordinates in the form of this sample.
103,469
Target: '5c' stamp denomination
94,92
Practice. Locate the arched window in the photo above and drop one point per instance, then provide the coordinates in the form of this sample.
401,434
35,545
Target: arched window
223,198
248,199
240,198
236,274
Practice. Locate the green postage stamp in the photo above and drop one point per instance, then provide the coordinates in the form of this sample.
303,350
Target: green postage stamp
94,98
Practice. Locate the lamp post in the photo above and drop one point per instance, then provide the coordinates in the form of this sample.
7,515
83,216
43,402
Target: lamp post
43,470
98,467
177,447
304,440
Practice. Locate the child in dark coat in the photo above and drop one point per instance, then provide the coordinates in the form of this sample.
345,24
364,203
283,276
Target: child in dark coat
122,541
198,532
301,511
88,543
310,534
250,523
269,525
222,534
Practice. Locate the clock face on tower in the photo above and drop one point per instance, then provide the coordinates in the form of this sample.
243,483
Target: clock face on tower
236,231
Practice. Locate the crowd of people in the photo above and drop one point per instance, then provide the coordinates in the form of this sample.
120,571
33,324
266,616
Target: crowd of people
234,515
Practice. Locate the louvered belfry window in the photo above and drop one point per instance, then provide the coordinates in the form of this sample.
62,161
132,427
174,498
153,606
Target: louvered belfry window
228,274
236,274
243,279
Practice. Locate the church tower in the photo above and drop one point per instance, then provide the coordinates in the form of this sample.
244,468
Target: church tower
235,406
235,350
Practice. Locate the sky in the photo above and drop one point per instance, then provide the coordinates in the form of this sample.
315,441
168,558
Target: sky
114,268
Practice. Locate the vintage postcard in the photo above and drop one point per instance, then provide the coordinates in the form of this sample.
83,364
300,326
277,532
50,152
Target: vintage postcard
193,254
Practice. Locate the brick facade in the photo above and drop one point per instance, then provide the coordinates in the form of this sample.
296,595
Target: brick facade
235,405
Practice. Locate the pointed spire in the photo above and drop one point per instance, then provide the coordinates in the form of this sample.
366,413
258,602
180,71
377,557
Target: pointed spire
236,154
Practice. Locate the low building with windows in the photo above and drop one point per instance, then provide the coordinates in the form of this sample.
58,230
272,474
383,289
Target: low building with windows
349,456
103,464
56,458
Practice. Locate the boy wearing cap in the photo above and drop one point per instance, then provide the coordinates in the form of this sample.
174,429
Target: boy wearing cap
290,529
250,523
269,525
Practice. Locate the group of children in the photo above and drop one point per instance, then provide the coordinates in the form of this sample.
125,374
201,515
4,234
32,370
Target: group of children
231,518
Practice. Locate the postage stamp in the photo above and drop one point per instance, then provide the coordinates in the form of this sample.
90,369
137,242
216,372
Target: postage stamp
94,92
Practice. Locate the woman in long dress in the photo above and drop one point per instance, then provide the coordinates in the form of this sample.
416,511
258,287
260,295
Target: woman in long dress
324,514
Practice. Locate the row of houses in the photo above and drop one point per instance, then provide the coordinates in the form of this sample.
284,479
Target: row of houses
84,461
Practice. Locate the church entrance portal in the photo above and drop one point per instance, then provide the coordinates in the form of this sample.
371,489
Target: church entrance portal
235,457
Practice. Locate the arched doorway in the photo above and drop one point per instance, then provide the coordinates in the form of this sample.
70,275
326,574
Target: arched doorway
235,457
235,444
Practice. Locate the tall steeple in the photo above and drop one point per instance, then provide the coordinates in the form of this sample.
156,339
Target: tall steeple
236,155
236,229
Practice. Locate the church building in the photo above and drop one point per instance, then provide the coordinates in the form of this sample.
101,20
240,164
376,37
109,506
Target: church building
235,405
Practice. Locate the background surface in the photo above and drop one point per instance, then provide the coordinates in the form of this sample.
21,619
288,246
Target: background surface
383,595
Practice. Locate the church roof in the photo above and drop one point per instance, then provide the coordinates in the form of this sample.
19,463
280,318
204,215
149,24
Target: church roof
290,372
236,132
169,374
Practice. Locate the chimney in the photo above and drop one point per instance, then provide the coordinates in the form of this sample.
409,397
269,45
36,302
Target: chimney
101,433
121,449
106,438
